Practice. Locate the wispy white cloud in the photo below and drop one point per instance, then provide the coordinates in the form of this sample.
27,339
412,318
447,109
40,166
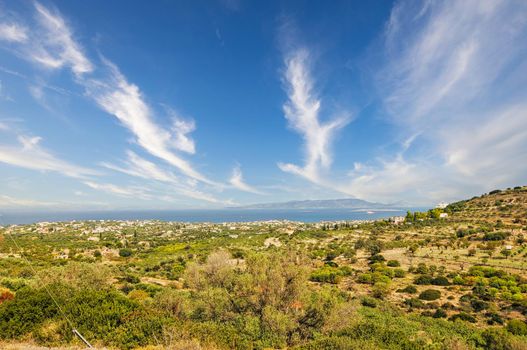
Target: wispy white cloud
302,111
142,168
389,179
29,154
494,153
57,48
181,130
124,100
238,182
13,32
11,202
132,192
115,95
54,46
450,86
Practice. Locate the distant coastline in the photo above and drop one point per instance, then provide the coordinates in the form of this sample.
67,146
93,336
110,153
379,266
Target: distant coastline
203,215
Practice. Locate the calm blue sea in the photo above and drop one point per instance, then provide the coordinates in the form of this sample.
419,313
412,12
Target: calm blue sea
219,215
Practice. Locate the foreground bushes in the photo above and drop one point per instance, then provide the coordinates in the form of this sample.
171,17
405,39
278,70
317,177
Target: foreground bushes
268,302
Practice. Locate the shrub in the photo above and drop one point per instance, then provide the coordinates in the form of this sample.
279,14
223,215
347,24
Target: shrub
331,264
13,283
517,327
494,318
138,295
25,313
376,258
495,236
125,252
496,339
365,278
464,317
439,313
408,289
479,305
458,280
368,301
326,275
423,280
415,303
399,273
380,290
422,268
430,294
393,263
440,281
462,233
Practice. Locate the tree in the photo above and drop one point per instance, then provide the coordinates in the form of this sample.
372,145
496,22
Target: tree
125,252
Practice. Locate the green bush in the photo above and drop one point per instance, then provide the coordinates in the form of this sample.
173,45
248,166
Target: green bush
458,280
25,313
408,289
423,280
399,273
464,317
415,303
393,263
368,301
517,327
495,236
13,283
326,275
365,278
380,290
496,339
376,258
430,294
439,313
125,252
479,305
440,281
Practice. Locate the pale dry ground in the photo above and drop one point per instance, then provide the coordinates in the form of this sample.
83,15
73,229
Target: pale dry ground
29,346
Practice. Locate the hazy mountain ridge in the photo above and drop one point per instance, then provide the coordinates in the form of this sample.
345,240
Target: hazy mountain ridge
343,203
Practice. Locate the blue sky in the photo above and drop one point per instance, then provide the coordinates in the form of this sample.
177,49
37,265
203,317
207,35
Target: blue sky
205,104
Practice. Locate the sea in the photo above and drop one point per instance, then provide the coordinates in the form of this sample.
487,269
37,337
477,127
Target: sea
201,215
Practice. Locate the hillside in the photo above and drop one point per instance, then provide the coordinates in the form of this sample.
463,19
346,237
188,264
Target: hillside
509,206
431,282
345,203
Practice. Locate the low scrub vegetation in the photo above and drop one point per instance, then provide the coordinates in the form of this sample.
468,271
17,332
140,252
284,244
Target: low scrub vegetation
431,282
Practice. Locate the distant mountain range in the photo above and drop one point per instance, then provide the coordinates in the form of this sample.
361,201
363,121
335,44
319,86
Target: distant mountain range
345,203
